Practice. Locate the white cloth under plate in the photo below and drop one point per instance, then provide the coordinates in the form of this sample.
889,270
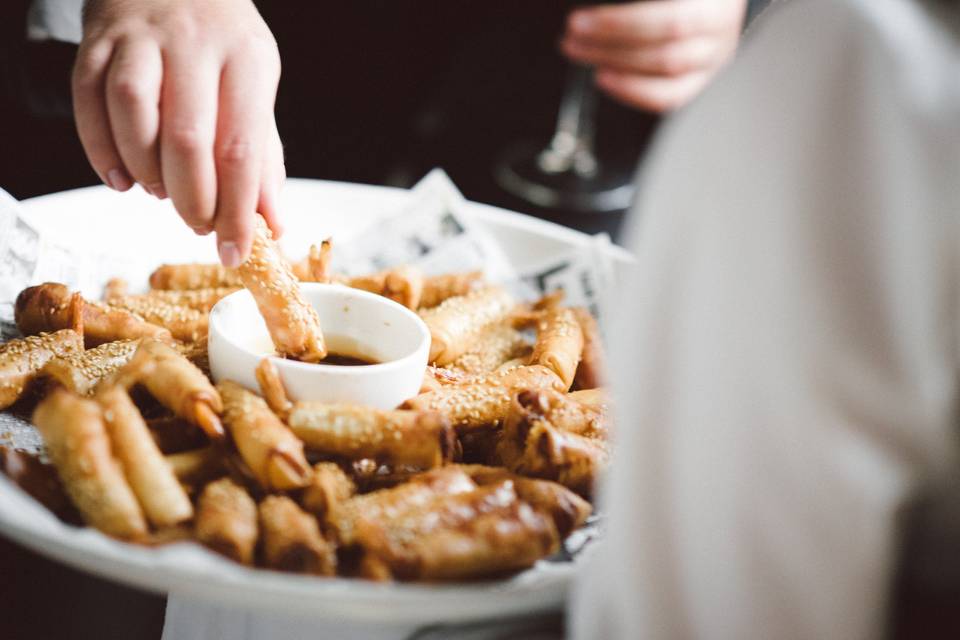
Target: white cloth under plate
787,355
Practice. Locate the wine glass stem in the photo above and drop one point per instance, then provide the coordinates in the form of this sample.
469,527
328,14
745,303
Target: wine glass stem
571,147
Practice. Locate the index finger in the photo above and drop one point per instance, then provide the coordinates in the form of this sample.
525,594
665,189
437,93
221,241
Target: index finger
652,21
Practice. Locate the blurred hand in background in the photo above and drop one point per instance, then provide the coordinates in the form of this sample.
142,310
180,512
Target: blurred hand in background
178,96
655,55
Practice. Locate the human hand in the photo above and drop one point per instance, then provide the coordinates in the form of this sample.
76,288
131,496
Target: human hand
657,54
178,95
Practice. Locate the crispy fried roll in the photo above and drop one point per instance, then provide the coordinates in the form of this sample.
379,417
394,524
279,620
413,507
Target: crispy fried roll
591,372
183,323
292,540
179,385
457,323
150,476
497,344
82,371
436,289
403,284
77,442
22,359
573,460
202,300
329,487
273,453
421,439
194,276
567,509
561,411
559,344
293,324
271,386
484,402
411,495
198,465
227,520
597,398
115,288
315,266
46,307
484,532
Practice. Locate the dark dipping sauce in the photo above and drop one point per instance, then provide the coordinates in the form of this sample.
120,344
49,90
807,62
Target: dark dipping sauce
345,360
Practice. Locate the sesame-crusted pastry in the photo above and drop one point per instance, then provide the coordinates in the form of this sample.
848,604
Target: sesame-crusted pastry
559,344
177,384
81,371
272,452
292,540
403,284
421,439
573,460
183,323
329,487
497,344
591,372
164,501
293,324
22,359
198,299
47,307
457,323
438,288
194,276
565,411
315,266
484,402
226,520
76,440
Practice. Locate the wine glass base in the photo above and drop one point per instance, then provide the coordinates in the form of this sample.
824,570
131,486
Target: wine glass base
519,173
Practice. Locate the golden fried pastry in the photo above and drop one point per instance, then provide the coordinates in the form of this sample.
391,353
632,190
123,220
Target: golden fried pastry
21,360
292,540
82,371
227,520
194,276
559,344
457,323
438,288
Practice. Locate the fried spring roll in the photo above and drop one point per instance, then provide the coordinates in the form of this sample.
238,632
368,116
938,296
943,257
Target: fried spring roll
199,465
164,501
457,323
421,439
403,284
115,288
271,386
183,323
485,402
591,372
568,510
559,344
227,520
293,324
202,300
497,344
46,307
82,371
597,398
315,267
179,385
481,533
292,540
572,460
561,411
76,440
329,487
436,289
272,452
194,276
21,359
379,504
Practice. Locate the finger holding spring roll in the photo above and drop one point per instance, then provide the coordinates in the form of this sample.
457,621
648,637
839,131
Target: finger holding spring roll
292,540
194,276
21,360
46,307
272,452
82,371
77,442
164,501
559,344
421,439
457,323
293,324
226,520
179,385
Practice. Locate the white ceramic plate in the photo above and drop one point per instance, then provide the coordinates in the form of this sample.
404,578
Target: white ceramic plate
133,225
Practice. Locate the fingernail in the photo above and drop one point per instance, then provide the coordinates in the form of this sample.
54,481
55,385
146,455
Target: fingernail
119,180
202,231
581,21
230,254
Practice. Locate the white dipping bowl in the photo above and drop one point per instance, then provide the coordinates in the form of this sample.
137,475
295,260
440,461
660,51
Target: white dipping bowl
354,322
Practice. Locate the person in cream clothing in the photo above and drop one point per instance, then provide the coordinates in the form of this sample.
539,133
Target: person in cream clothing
788,363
